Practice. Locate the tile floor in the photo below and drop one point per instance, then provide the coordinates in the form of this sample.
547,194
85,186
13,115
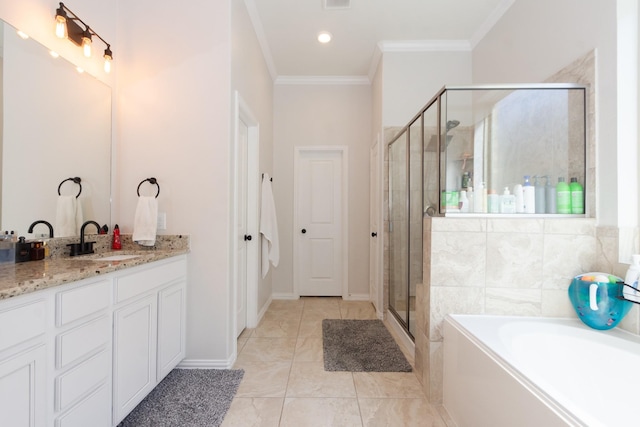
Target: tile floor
285,383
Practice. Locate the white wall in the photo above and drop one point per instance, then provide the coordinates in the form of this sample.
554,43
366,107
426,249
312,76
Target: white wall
308,115
250,77
536,38
410,80
174,120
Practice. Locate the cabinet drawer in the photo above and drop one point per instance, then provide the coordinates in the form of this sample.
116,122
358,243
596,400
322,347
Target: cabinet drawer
79,341
21,323
94,411
83,301
138,283
74,384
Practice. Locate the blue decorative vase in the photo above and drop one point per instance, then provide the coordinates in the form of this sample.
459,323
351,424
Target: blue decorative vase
597,298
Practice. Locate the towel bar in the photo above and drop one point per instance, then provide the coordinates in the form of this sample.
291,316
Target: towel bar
152,181
77,180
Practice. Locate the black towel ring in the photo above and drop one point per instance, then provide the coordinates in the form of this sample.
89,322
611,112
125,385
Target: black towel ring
152,181
77,180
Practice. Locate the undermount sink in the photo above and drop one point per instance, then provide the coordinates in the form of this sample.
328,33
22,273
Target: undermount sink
120,257
109,256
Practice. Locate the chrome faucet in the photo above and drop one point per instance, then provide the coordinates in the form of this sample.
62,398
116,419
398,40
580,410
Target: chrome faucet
83,247
41,221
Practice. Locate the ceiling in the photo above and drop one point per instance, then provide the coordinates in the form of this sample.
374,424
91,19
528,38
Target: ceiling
287,31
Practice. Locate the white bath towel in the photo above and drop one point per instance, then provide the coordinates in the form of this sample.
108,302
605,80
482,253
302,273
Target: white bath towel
69,217
268,227
145,222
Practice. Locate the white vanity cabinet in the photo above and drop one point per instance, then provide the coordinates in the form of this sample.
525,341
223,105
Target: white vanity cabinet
148,333
86,353
23,361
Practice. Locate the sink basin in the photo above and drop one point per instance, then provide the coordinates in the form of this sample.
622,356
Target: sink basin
120,257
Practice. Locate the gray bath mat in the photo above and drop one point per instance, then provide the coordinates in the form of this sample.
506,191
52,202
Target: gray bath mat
187,398
360,346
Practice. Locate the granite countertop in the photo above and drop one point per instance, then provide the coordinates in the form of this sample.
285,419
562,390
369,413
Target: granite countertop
23,278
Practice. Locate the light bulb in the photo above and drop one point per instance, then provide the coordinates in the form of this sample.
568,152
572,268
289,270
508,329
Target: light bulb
108,57
61,26
86,43
324,37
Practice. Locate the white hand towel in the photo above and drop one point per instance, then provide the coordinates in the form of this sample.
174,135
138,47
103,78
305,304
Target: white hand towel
68,216
268,227
145,222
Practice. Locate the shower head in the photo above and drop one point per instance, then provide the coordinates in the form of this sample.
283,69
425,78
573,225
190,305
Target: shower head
452,124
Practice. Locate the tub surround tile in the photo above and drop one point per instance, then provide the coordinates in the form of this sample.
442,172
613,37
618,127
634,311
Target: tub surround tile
514,260
436,361
513,302
565,256
570,226
445,300
460,259
556,303
440,224
515,225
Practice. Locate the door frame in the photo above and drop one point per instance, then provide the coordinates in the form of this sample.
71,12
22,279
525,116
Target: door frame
377,296
243,113
343,150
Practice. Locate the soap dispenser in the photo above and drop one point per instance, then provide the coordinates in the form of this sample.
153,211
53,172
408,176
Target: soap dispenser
116,244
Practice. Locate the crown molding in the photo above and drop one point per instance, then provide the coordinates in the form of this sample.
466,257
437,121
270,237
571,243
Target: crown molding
424,46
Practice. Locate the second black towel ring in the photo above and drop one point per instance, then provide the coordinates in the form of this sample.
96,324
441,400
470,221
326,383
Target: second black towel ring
152,181
77,180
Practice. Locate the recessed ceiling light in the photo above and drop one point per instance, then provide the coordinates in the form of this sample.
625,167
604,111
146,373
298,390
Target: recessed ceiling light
324,37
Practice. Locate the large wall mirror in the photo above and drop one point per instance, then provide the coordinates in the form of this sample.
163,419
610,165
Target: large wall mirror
56,124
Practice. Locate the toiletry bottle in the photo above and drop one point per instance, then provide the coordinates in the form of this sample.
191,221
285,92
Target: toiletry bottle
470,197
466,180
529,193
550,195
507,202
519,195
540,196
577,197
478,199
563,197
631,279
116,244
464,201
493,202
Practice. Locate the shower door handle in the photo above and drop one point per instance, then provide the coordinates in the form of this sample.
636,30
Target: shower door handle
374,234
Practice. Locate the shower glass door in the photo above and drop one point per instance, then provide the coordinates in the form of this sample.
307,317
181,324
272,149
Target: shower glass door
405,223
398,229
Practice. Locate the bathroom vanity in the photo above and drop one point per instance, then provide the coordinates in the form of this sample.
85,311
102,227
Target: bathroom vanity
83,341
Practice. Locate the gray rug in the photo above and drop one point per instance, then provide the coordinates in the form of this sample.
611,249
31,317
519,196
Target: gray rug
187,398
360,346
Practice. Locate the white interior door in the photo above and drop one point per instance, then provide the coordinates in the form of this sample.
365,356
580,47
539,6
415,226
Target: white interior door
375,292
242,236
320,223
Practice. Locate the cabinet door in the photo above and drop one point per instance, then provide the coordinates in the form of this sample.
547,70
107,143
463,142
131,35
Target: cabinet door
23,389
171,328
134,354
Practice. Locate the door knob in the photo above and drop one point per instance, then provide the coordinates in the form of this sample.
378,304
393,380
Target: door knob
304,230
374,234
247,237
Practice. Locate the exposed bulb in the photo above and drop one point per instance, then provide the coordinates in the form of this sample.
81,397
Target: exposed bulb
86,43
108,57
61,27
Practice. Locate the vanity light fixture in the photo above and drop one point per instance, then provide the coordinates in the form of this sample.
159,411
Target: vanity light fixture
67,27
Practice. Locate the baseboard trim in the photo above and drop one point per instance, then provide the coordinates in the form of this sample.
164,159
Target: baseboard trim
284,296
205,364
356,297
